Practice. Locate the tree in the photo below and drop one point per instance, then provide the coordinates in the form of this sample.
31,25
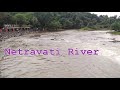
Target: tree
44,18
20,19
34,22
116,26
4,18
54,25
29,17
51,20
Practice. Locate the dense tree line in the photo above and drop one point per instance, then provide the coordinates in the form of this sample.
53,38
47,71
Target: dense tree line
60,20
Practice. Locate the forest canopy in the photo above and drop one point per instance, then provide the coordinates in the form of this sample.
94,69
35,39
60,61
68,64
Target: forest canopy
60,20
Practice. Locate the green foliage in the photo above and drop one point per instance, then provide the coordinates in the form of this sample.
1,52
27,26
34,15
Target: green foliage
59,20
116,26
54,25
43,18
34,22
86,28
66,24
4,17
29,17
115,33
20,19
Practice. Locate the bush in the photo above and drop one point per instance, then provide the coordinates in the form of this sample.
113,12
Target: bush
86,28
54,25
116,26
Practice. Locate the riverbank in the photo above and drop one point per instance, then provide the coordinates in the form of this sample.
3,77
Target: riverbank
115,33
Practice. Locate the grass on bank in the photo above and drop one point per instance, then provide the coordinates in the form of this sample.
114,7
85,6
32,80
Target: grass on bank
115,33
86,29
92,29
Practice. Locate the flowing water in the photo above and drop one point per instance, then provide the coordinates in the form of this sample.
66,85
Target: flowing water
105,64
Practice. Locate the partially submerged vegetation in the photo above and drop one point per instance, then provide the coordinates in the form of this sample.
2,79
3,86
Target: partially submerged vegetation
86,28
115,33
90,29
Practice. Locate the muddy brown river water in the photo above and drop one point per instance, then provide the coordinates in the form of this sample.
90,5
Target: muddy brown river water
104,65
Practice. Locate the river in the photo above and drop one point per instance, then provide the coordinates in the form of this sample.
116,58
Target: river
104,65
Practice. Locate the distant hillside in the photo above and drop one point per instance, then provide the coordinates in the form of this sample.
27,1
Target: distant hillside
57,20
